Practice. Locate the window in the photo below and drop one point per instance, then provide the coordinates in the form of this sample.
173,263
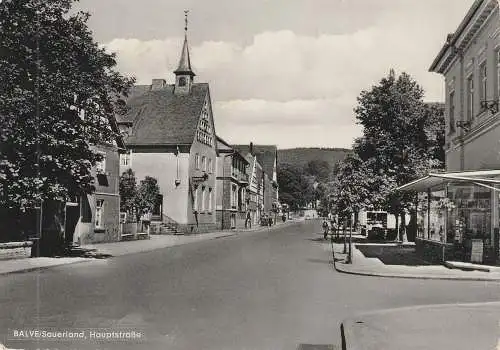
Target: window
182,81
241,200
210,165
470,97
125,159
204,163
100,166
452,112
99,210
197,161
483,93
234,196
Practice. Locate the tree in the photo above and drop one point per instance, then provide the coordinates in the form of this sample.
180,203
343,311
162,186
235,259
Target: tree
58,98
320,169
402,137
147,194
128,191
296,189
356,186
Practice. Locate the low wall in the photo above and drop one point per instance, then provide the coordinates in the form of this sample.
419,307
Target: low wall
432,251
13,250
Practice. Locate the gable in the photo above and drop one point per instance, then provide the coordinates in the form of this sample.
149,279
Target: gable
205,132
253,178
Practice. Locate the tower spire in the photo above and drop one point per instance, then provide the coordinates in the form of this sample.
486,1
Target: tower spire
184,74
184,67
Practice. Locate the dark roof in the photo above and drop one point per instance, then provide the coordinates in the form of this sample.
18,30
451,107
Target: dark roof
223,145
162,118
266,155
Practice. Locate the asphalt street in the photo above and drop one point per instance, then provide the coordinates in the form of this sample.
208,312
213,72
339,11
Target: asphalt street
260,290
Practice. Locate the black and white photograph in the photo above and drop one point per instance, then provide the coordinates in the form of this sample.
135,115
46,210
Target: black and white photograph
249,175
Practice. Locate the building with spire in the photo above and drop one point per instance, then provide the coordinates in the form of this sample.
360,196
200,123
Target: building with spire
170,136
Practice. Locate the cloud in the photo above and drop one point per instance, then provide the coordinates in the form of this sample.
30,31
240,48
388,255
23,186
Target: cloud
282,81
254,112
322,122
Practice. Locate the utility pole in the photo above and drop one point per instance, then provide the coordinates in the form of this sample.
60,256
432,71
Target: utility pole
39,201
349,256
345,237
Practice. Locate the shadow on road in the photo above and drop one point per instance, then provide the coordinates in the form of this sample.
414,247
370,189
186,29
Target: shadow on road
320,261
319,239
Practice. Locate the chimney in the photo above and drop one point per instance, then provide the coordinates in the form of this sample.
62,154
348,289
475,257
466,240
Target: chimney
158,84
251,148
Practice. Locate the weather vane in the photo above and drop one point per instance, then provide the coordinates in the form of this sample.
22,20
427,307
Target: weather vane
186,20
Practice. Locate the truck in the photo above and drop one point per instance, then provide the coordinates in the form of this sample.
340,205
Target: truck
376,222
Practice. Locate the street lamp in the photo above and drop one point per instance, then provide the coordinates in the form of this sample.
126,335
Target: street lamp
223,179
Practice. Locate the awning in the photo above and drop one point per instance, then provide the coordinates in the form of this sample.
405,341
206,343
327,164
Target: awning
486,178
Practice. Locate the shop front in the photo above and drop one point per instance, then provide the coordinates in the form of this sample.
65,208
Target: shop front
458,216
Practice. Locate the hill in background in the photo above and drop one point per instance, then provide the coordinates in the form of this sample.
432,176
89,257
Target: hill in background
301,156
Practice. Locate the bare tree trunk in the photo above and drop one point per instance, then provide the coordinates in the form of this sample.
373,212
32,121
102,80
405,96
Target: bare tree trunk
403,224
397,226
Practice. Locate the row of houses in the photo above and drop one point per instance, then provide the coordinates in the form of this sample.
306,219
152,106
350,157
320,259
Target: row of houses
206,184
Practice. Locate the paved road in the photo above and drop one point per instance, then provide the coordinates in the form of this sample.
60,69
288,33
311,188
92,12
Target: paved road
262,290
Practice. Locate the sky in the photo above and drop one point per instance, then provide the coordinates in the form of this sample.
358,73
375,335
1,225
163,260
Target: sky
283,72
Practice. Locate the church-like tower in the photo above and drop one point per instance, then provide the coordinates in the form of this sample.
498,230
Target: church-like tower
184,75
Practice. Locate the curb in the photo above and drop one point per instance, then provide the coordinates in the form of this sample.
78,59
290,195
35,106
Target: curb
39,268
223,235
405,276
421,277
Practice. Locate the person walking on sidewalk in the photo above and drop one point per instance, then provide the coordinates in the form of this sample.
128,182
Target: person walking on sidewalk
248,220
325,229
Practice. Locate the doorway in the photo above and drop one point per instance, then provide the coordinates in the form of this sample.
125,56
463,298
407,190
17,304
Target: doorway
71,220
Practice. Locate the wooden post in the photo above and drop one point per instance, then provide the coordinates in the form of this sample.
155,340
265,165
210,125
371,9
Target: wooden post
428,213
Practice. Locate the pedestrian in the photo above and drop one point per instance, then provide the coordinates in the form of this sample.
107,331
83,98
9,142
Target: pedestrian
248,221
325,229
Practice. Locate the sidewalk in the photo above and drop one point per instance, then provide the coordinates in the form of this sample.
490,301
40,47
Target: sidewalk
125,247
369,266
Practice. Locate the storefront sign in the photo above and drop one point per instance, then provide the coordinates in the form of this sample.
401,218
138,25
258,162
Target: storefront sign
476,255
